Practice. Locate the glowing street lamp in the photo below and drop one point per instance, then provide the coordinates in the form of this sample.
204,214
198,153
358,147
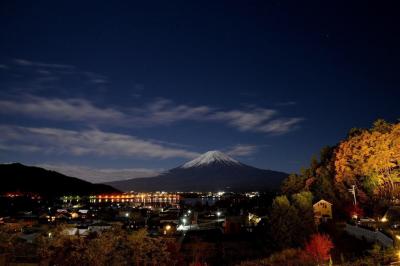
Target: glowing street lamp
167,228
184,221
218,214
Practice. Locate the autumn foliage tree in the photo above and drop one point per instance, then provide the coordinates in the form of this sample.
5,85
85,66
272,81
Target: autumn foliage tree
111,247
318,249
370,159
367,158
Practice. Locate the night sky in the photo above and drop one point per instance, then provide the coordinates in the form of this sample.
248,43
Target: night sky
108,90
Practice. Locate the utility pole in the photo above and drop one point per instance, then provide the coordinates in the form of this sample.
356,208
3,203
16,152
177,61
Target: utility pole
353,191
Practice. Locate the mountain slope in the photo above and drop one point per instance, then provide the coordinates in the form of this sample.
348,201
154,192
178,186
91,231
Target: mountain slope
19,177
211,171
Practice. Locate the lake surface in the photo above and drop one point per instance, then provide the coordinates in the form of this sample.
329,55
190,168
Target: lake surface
203,201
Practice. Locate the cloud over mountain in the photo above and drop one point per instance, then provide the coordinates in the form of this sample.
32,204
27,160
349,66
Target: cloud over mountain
84,142
100,175
155,113
241,150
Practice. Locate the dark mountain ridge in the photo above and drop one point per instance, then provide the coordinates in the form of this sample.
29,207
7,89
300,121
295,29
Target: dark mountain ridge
22,178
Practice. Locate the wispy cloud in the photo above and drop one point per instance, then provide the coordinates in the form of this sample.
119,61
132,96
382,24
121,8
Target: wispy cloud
163,111
45,76
242,150
28,63
280,125
245,120
154,113
253,119
85,142
100,175
35,76
59,109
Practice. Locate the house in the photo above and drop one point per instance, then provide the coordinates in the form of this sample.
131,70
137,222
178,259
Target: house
322,211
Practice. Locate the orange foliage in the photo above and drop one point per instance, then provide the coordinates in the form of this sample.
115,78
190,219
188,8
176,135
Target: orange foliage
372,155
318,248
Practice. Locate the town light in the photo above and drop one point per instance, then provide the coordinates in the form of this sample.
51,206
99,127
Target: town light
127,214
219,213
398,237
189,211
167,227
184,221
384,220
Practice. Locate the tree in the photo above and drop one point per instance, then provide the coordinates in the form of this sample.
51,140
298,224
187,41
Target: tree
293,184
371,160
318,248
287,257
283,221
147,250
111,247
108,248
306,225
382,126
355,132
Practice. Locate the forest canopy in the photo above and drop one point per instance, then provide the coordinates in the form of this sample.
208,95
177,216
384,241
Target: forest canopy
369,159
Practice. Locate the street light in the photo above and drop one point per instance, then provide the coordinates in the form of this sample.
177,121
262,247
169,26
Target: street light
167,228
219,213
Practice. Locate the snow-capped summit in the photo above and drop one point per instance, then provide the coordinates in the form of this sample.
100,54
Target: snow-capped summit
211,171
211,157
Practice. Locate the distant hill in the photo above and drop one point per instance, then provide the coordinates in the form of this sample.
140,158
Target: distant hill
211,171
19,177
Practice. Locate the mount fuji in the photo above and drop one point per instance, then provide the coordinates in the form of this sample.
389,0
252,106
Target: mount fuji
211,171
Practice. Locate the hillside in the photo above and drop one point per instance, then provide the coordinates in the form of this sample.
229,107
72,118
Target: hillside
19,177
